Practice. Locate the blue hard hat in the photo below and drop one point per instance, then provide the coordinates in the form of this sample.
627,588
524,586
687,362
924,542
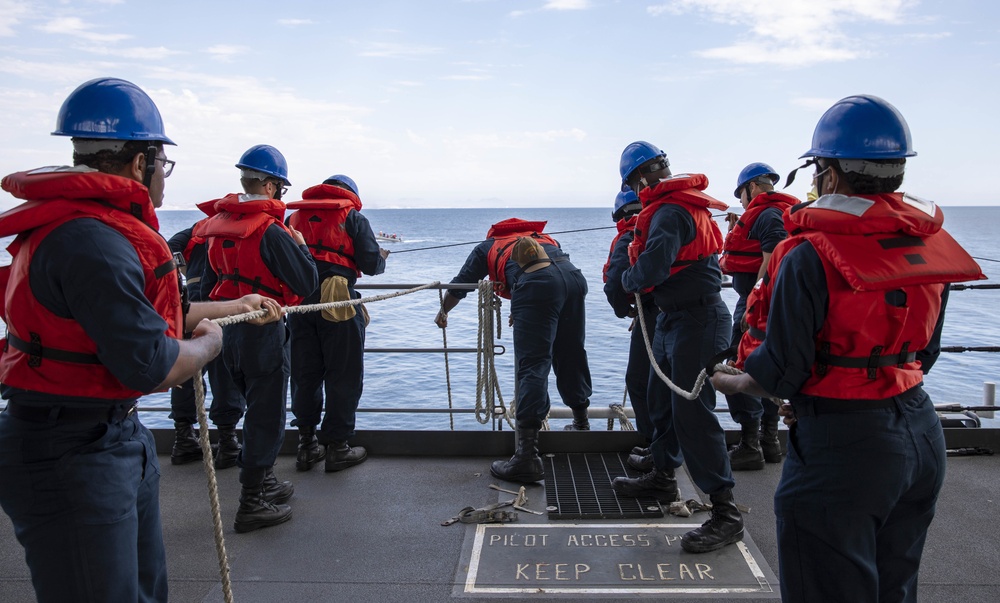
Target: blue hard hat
861,127
622,200
342,179
267,159
753,171
636,154
112,109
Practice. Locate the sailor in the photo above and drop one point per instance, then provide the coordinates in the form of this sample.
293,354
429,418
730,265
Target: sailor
745,253
227,404
250,250
546,295
94,320
857,295
625,213
674,255
328,347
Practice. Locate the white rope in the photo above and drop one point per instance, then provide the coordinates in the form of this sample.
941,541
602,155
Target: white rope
619,411
213,487
237,318
702,376
488,394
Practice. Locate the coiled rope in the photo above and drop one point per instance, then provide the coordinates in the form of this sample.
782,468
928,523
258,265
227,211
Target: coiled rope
488,395
206,446
702,376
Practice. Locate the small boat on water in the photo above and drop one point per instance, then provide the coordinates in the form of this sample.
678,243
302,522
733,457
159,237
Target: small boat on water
388,237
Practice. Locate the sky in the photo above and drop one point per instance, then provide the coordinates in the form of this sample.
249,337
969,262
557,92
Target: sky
509,103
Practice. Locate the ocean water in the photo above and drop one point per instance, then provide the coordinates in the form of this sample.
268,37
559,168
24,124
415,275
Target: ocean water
396,380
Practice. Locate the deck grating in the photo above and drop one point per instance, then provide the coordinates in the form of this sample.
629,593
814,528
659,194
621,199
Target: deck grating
578,486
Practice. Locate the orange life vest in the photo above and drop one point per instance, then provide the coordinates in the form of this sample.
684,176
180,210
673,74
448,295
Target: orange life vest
51,354
320,218
234,236
740,253
886,260
504,235
624,225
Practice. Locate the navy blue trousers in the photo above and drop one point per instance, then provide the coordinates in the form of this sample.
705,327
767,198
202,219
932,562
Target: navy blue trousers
744,408
857,494
327,358
687,431
227,404
84,499
549,332
258,359
637,373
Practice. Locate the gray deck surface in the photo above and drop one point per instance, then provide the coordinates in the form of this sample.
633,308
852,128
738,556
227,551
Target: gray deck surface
373,533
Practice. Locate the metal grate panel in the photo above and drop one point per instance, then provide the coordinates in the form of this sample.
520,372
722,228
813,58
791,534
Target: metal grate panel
578,486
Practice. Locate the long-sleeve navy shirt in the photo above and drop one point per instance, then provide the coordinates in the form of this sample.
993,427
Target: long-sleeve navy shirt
799,303
670,228
621,300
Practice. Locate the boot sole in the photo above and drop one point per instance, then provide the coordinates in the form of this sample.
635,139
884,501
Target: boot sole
226,464
250,526
643,468
662,498
694,547
521,478
341,465
184,460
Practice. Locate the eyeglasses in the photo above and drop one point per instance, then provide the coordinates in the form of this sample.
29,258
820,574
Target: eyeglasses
168,166
278,185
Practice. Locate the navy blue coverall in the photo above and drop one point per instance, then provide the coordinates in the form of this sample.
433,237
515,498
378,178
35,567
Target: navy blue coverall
258,356
637,370
694,325
328,357
227,404
858,489
84,497
769,230
549,329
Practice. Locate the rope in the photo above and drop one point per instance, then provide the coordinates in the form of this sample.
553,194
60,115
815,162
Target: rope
623,419
447,370
248,316
702,376
213,487
487,386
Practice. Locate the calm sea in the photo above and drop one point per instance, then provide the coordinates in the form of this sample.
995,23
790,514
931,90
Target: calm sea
395,380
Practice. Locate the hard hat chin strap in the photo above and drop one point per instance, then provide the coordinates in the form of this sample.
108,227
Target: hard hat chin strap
147,176
791,175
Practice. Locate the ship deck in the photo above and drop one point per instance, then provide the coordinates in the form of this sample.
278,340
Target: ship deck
374,533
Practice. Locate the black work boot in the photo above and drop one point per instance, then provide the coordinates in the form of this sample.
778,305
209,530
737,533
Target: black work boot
580,421
310,450
525,466
723,528
659,484
276,492
769,443
746,456
187,448
641,462
229,447
256,512
340,456
641,450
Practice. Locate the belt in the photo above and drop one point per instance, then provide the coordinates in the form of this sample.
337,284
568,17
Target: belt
826,406
72,414
704,300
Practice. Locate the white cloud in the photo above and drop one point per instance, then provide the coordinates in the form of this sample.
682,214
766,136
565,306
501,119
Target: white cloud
74,26
813,102
226,52
398,51
467,78
12,11
555,5
145,53
295,22
789,32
